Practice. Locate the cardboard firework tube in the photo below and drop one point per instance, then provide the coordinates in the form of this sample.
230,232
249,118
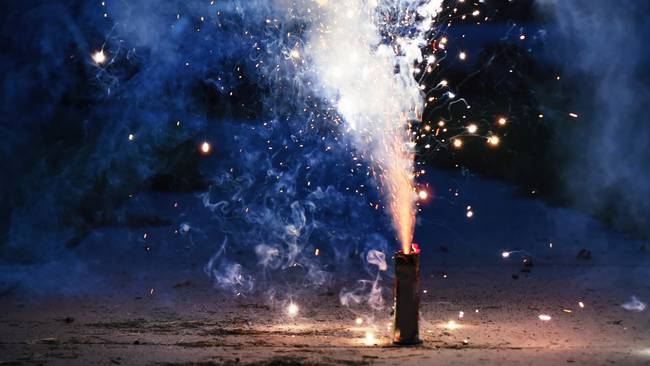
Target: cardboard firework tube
407,298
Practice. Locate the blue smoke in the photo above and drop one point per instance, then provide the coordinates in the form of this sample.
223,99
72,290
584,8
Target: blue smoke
600,45
80,140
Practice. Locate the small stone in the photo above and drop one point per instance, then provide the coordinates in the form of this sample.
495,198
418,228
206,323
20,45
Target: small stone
527,262
584,254
186,283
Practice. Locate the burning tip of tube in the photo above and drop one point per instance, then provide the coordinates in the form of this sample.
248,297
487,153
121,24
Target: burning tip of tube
544,317
292,309
358,321
505,254
423,195
412,250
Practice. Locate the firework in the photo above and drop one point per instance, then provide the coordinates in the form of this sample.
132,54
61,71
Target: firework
370,77
407,297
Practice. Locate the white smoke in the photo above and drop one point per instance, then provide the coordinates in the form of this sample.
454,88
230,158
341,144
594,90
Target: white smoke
377,258
228,275
361,56
365,292
634,305
358,59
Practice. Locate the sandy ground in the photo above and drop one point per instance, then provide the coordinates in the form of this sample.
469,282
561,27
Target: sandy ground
143,298
188,323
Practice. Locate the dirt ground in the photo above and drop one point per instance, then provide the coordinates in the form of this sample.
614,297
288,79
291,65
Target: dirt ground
186,322
148,302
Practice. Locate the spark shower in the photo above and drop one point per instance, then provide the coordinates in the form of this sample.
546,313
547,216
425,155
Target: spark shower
361,57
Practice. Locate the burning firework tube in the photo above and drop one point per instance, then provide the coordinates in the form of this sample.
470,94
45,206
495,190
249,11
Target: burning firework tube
407,297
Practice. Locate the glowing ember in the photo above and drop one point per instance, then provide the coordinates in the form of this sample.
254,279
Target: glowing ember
292,310
99,57
458,143
358,321
131,137
205,148
462,56
544,317
493,140
502,121
452,325
472,128
423,195
581,304
505,254
370,339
